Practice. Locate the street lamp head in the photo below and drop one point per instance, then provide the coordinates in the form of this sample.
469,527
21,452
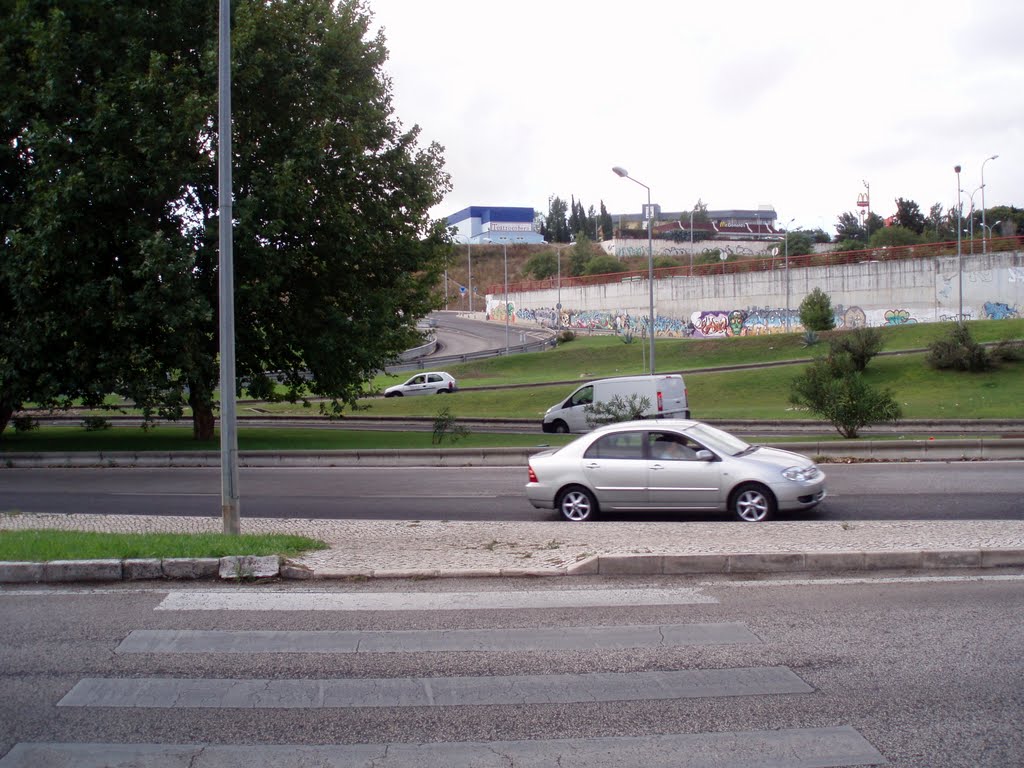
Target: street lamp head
993,157
956,168
620,171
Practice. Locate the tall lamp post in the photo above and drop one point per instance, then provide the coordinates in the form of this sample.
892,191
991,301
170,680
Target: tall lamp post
229,496
469,274
558,305
786,245
971,217
622,172
959,249
984,248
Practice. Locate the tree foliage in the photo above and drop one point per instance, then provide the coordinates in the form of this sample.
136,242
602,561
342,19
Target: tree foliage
958,351
616,409
909,216
108,279
842,397
859,345
816,311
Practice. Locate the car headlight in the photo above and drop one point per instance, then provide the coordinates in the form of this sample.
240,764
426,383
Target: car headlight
800,474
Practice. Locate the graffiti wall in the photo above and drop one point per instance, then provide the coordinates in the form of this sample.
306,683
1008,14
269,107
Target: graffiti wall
874,295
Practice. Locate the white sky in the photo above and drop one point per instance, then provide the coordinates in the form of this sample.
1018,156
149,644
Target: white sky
792,103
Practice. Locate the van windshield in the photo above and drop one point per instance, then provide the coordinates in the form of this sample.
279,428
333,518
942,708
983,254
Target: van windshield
717,440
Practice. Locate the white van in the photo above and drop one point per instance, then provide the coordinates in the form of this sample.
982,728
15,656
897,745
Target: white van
666,394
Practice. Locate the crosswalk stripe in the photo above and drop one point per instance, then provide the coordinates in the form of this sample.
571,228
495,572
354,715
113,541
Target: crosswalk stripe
205,693
427,601
793,748
413,641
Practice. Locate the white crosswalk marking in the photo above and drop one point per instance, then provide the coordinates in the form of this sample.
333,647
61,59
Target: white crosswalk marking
792,748
577,664
427,601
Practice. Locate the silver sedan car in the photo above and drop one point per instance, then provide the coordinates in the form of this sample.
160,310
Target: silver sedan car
671,465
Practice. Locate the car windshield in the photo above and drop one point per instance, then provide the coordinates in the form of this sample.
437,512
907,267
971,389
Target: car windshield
717,440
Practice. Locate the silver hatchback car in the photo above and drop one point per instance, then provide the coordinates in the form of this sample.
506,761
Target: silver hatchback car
671,465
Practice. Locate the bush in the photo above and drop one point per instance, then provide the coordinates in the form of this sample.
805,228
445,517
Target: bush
95,424
446,428
959,352
842,397
566,336
617,409
816,311
859,345
24,423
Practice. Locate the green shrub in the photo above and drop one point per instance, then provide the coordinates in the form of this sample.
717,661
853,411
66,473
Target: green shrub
24,423
566,336
616,409
95,424
827,388
959,352
816,311
860,345
446,428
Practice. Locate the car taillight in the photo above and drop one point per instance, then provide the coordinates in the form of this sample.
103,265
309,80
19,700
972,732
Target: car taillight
661,405
533,475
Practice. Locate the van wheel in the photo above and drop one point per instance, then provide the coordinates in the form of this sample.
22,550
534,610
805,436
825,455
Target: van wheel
560,428
752,503
576,504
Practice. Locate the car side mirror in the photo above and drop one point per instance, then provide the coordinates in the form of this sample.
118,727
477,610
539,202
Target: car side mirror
705,456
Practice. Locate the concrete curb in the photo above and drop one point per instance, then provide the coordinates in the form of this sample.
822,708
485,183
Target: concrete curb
746,563
171,568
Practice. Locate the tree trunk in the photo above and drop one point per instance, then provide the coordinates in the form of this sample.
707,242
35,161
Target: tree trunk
202,416
6,412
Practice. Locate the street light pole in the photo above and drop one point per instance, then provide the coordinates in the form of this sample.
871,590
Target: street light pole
558,305
959,249
983,244
623,173
229,496
786,238
469,274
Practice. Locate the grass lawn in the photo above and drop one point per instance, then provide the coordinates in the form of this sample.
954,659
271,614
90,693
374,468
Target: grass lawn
46,545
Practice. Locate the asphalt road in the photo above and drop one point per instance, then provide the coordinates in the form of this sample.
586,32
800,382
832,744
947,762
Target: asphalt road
667,672
909,491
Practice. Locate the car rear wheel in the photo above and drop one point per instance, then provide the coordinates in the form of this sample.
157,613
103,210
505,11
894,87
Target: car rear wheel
752,503
577,504
393,394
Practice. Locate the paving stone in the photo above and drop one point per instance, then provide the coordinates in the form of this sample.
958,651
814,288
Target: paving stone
191,567
249,567
20,573
82,570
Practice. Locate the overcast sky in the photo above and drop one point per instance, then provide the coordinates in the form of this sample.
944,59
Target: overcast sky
792,104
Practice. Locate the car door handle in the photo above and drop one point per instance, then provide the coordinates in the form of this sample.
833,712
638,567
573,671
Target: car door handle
658,466
593,465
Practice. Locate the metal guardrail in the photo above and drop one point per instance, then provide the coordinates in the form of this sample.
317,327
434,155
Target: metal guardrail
439,361
821,451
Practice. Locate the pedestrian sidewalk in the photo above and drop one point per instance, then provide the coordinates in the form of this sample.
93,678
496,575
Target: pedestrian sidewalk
430,548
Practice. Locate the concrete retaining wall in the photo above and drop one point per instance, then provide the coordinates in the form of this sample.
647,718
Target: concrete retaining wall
874,293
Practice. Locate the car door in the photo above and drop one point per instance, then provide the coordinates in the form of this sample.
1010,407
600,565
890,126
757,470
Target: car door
434,383
676,478
574,413
615,467
416,385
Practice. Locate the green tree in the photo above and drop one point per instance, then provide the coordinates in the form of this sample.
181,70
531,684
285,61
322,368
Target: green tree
607,230
816,311
556,226
848,227
894,237
798,243
842,397
909,216
110,257
603,264
541,266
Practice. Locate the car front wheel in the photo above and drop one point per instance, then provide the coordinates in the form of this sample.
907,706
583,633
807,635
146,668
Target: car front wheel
752,503
577,504
560,428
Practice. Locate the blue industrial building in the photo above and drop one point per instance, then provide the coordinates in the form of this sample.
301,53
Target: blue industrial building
493,224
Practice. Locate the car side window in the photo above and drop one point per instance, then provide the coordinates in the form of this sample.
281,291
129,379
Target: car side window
417,380
584,397
433,377
622,445
671,446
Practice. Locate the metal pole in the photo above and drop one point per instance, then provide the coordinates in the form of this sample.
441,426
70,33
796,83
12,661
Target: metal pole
691,243
622,172
650,271
984,249
228,432
504,247
959,249
469,277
